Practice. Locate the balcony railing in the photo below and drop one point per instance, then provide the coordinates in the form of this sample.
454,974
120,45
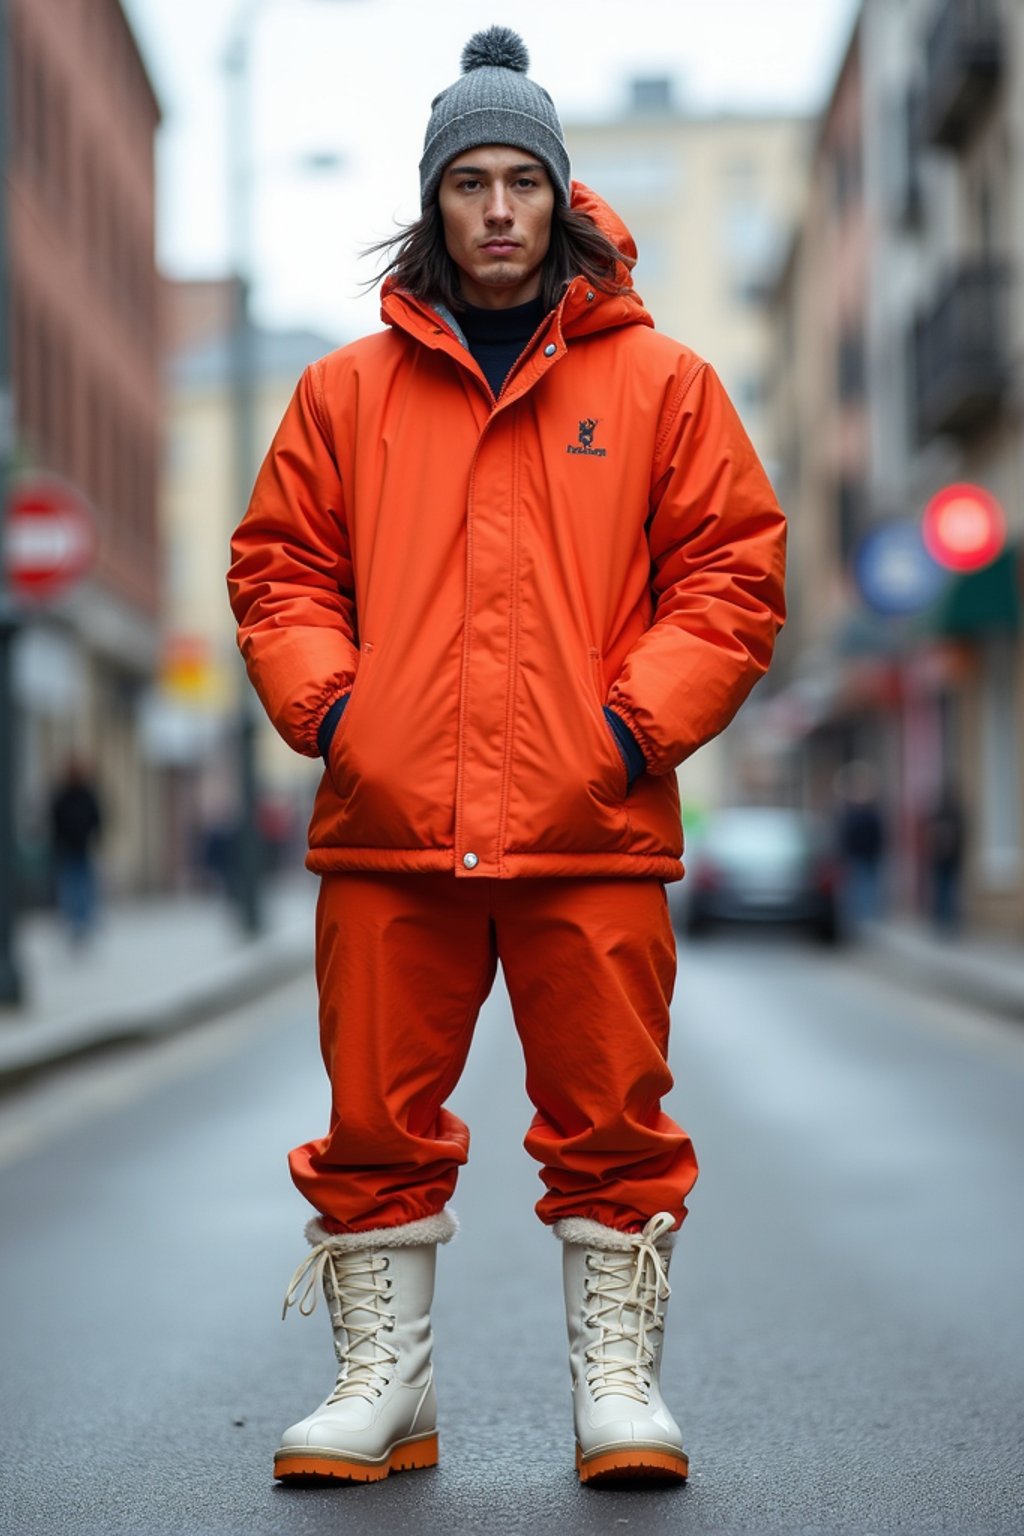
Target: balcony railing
960,362
964,61
902,167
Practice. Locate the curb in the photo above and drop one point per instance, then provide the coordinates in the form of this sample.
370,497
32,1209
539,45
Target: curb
231,984
986,981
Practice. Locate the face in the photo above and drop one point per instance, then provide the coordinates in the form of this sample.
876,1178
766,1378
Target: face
496,206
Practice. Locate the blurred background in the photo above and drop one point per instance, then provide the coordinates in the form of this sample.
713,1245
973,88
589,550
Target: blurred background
831,213
828,200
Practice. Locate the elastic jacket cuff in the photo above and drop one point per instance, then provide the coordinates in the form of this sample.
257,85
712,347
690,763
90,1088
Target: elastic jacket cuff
329,724
627,744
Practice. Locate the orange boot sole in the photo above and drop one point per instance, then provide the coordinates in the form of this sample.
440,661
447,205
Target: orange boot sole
633,1463
330,1466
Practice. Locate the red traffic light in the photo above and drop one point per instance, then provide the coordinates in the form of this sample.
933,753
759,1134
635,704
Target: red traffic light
963,527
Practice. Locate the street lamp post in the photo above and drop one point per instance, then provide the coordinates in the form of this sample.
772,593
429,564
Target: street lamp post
10,981
248,860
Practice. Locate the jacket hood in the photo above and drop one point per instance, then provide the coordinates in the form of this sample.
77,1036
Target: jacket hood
579,316
586,200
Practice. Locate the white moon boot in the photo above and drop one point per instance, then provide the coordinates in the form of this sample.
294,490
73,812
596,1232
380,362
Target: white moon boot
381,1416
616,1290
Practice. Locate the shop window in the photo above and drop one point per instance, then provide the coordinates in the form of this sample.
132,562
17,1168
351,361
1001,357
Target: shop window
998,806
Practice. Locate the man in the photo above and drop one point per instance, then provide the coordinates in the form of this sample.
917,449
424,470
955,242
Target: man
508,562
76,825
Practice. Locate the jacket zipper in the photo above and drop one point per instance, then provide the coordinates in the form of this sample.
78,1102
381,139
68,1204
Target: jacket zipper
499,404
465,359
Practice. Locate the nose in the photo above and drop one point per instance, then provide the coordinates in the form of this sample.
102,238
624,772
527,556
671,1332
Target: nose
498,210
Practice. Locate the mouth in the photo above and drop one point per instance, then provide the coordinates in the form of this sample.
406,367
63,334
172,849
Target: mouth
500,247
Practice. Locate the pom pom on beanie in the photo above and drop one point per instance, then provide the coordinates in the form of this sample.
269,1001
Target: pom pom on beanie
494,102
499,48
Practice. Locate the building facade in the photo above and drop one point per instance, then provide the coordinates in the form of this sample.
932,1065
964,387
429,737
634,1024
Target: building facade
933,698
819,401
84,343
711,202
194,714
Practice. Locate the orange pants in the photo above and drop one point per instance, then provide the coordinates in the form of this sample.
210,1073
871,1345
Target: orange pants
404,963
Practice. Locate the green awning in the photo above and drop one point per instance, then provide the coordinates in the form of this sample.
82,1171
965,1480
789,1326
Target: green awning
984,602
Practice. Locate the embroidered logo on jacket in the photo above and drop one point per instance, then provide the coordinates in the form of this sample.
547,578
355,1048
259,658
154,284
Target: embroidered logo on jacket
586,440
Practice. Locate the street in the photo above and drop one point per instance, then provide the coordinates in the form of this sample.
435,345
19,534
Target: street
846,1336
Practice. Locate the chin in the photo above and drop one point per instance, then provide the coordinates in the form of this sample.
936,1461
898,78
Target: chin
503,276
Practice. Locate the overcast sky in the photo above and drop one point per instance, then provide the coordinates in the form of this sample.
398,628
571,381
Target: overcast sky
354,79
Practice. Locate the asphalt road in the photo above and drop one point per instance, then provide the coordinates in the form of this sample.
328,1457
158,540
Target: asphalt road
846,1339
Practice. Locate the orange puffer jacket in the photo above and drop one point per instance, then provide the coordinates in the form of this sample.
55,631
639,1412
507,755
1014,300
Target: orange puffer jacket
485,575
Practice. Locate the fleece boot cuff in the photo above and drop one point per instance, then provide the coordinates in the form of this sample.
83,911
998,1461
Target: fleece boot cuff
592,1234
411,1234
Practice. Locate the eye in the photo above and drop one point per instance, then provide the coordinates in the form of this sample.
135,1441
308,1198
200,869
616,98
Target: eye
468,184
525,182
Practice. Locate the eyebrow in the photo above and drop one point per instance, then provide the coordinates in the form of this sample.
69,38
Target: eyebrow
477,170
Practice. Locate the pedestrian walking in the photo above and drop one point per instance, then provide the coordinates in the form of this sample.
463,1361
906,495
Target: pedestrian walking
507,563
945,839
76,824
861,835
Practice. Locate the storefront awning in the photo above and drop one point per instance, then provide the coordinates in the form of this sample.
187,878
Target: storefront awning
981,602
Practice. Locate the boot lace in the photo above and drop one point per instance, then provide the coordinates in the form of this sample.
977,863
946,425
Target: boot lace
358,1292
625,1290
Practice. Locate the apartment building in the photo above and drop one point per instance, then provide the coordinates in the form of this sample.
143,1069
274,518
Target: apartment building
820,408
937,238
194,716
711,201
80,218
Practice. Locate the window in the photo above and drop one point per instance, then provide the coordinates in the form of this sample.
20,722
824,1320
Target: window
22,359
750,393
61,403
742,173
850,516
21,112
846,177
651,96
652,263
95,444
640,175
752,241
986,217
851,367
48,399
40,118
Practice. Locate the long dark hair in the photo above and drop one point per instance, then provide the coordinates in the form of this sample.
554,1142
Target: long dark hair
420,262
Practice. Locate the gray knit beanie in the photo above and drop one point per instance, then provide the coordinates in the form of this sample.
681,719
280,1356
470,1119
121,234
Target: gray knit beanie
493,103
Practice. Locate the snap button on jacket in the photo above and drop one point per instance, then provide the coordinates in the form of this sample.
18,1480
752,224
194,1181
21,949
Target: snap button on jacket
485,575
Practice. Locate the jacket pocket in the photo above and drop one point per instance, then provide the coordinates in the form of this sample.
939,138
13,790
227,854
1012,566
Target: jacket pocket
619,781
343,729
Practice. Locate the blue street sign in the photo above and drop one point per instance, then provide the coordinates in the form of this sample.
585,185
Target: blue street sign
894,572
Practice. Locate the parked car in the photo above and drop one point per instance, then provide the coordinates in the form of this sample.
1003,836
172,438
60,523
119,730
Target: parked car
761,865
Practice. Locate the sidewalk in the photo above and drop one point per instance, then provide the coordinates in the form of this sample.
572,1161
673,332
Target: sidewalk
986,972
161,963
154,965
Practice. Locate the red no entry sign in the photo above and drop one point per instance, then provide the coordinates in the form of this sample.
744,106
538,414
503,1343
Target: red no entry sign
49,536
